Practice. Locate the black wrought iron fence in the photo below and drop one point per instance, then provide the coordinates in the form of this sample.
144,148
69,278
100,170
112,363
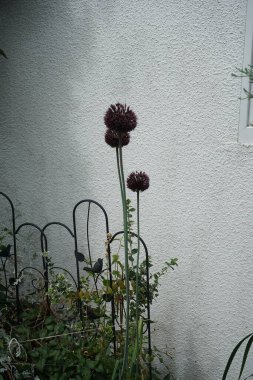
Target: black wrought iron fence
41,280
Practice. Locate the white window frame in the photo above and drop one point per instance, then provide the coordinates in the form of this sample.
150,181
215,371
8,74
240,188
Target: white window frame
245,135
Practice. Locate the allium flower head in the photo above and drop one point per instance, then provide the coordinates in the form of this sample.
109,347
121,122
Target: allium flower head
120,118
112,138
138,181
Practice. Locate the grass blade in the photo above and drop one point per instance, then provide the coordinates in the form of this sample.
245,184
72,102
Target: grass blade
115,370
233,355
245,356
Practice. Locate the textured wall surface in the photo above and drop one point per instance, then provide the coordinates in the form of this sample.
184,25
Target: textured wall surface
171,61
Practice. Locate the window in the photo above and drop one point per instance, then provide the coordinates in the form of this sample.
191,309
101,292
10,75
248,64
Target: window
246,113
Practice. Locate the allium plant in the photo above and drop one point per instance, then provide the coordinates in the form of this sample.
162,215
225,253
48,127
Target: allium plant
112,138
120,120
138,182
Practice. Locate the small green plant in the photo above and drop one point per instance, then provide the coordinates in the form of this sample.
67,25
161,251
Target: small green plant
247,72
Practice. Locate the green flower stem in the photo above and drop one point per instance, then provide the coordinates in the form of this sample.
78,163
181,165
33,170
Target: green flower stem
118,167
134,370
137,275
123,196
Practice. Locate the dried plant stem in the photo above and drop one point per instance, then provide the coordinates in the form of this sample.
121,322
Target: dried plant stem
57,336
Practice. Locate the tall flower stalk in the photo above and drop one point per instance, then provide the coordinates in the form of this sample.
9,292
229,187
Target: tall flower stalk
123,195
120,120
138,182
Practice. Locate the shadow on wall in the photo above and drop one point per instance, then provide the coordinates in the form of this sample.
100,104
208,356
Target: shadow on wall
192,370
47,52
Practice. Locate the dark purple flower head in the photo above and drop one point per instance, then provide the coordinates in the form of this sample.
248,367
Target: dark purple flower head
120,118
138,181
112,138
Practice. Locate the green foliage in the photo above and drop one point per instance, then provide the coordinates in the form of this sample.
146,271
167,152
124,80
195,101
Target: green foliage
48,340
45,345
248,73
50,349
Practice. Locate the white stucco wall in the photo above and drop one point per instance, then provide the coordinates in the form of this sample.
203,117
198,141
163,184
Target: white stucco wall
172,62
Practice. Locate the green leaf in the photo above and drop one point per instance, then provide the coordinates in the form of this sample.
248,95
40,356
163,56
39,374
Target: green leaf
115,370
115,258
233,355
160,359
245,355
116,273
91,364
106,282
49,320
100,368
41,363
